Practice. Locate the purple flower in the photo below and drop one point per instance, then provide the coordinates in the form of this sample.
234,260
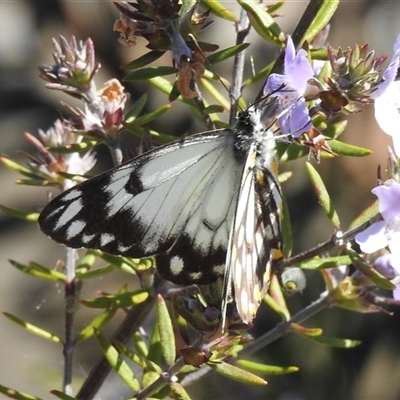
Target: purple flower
387,100
387,232
390,73
290,89
389,266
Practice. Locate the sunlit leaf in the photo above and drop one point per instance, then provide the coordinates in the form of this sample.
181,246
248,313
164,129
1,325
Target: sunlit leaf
262,22
220,9
367,270
266,369
325,263
25,215
33,328
323,196
236,373
39,271
98,322
326,10
126,299
178,392
117,363
15,394
166,331
346,149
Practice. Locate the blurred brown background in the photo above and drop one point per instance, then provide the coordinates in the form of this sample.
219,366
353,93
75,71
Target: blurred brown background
28,363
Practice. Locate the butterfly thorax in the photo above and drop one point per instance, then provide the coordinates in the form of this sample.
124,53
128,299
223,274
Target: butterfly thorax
251,132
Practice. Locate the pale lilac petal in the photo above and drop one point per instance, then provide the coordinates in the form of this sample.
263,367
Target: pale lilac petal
383,265
396,293
391,71
299,72
274,82
389,199
290,52
293,115
387,113
373,238
296,120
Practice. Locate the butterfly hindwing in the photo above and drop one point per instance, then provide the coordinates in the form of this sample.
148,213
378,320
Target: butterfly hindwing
176,202
256,238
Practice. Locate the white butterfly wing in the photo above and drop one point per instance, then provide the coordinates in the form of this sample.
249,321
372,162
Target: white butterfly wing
255,240
176,201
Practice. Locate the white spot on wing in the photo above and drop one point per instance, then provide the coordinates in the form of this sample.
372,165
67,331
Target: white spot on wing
219,269
123,249
75,229
176,265
118,195
106,238
69,213
87,238
196,275
73,194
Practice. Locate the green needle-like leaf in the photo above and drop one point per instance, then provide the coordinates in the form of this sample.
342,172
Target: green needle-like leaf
322,18
323,196
148,73
33,328
266,369
25,215
325,263
220,9
262,22
236,373
15,394
336,342
126,299
346,149
178,392
367,270
97,323
166,331
62,395
117,363
144,60
227,53
39,271
136,109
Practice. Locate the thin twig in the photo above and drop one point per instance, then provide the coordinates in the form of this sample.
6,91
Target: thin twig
133,320
280,330
284,327
242,29
330,244
70,296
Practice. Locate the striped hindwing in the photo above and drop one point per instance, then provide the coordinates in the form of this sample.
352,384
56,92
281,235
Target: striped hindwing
255,241
176,202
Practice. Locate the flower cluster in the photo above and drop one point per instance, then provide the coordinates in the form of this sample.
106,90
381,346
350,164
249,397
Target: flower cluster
51,166
165,28
384,235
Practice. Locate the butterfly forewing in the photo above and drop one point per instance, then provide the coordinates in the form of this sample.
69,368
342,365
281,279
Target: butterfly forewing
177,200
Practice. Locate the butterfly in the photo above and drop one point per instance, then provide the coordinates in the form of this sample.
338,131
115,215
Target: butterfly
205,206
